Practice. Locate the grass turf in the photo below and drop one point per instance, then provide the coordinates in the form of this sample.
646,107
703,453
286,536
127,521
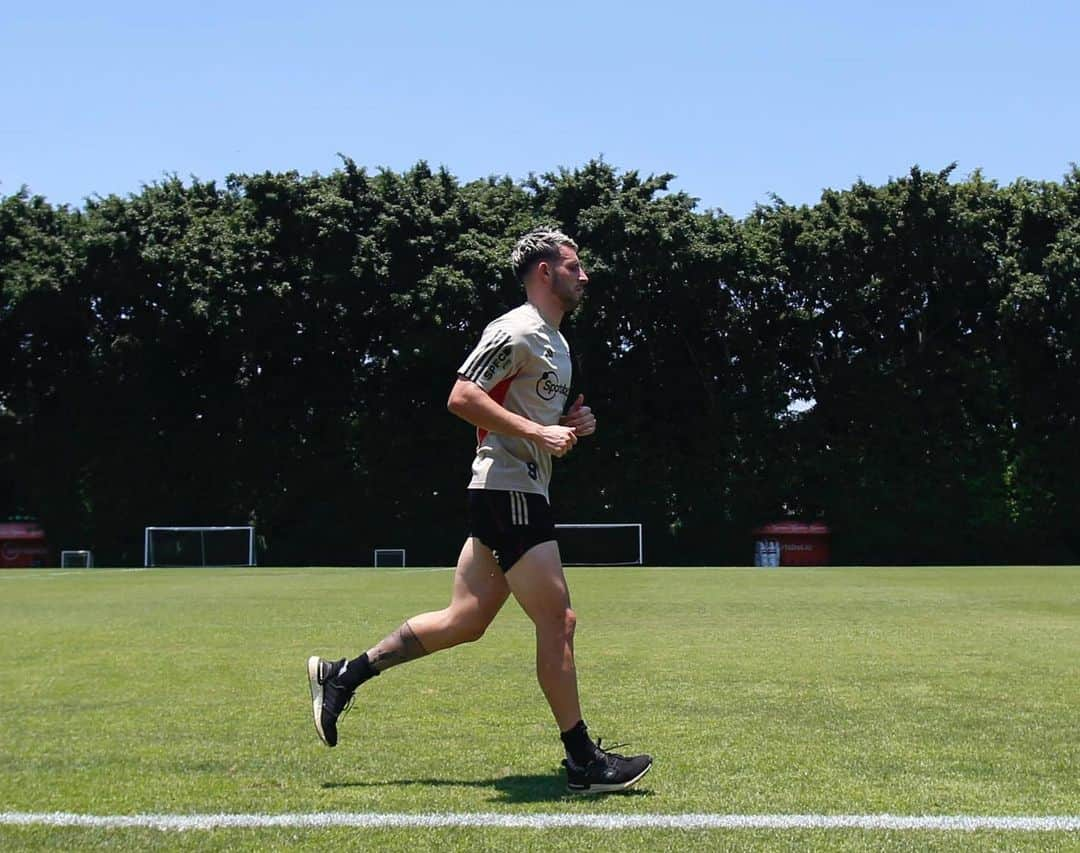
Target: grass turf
835,691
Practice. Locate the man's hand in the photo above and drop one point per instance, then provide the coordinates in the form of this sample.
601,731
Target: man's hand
580,418
556,440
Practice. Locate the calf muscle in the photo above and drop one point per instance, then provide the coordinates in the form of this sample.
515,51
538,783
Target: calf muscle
401,646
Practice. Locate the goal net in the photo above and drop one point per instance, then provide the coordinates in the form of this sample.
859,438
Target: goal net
600,544
199,546
390,557
76,560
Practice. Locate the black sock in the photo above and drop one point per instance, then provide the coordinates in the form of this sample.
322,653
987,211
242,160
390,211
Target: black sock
579,746
355,672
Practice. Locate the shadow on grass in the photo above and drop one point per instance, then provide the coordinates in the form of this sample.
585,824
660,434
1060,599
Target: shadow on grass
538,788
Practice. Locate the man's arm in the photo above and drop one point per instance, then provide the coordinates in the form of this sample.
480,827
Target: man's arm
580,417
471,403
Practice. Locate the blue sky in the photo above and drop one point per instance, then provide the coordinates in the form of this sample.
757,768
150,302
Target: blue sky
738,100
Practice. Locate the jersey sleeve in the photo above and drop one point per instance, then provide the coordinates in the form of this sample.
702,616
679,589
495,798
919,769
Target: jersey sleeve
501,353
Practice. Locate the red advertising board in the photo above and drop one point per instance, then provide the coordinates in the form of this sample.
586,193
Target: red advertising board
22,545
800,544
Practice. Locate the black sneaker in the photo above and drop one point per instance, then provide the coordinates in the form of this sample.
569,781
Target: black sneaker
329,700
608,772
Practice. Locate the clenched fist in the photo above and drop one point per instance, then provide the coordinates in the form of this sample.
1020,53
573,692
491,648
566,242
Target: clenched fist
556,440
580,418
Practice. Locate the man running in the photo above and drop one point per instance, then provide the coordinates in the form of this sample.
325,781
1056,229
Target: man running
513,388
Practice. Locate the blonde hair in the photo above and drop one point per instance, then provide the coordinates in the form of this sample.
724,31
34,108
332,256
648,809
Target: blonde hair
540,244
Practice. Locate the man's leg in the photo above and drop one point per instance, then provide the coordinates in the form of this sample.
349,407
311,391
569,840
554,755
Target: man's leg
479,591
538,583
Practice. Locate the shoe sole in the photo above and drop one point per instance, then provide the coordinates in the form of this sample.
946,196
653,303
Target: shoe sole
316,696
609,789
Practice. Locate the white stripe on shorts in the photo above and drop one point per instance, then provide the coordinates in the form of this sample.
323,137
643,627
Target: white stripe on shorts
519,509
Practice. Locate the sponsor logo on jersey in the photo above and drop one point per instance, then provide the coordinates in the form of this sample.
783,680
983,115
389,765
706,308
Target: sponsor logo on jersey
499,361
547,386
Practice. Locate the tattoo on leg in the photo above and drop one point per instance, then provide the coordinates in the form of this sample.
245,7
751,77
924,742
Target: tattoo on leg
401,646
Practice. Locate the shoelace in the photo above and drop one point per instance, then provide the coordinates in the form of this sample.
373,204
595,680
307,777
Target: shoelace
332,680
611,750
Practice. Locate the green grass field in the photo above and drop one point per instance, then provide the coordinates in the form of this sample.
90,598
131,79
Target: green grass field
907,691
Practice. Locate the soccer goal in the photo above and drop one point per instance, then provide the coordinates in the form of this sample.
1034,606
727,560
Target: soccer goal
199,546
76,560
601,544
390,557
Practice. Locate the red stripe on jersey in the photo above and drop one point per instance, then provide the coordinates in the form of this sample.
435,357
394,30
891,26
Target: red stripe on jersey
498,394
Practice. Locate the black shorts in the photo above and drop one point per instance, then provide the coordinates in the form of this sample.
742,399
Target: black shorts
510,523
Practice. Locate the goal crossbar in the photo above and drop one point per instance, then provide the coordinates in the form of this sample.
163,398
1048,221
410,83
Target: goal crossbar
379,552
639,560
147,551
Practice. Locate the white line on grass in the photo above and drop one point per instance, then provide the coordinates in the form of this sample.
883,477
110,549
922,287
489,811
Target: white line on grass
380,820
39,574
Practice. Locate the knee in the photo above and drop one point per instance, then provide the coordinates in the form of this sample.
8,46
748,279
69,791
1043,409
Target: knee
470,627
557,627
569,623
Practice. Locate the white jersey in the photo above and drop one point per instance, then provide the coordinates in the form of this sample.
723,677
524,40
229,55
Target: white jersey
524,364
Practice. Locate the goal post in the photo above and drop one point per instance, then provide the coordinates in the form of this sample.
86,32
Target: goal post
199,546
620,544
393,557
76,560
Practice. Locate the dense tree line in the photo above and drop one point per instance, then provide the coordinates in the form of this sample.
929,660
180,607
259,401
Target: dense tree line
278,350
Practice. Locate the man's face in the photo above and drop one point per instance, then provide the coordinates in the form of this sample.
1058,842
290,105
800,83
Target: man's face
568,279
